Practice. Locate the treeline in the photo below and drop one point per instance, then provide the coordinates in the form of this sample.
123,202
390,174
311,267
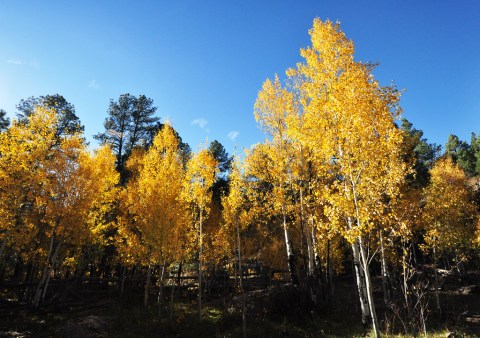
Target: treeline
339,179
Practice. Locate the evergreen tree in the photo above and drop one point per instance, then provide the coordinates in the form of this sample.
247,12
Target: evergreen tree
475,146
424,153
68,122
128,125
220,187
4,120
461,153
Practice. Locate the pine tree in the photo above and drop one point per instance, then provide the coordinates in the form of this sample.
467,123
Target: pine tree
128,125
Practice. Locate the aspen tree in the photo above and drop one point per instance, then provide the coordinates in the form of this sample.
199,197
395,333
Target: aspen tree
200,175
62,186
267,164
348,122
272,107
448,213
156,202
20,148
234,216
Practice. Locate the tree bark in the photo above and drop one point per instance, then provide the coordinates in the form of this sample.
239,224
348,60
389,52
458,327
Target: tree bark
49,274
3,245
172,300
200,244
290,255
368,286
147,286
244,309
437,296
365,264
406,275
383,263
360,278
311,257
329,274
160,291
38,292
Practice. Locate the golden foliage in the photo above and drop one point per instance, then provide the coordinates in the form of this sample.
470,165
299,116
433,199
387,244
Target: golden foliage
449,211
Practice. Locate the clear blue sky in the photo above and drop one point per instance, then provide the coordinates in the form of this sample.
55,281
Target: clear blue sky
203,62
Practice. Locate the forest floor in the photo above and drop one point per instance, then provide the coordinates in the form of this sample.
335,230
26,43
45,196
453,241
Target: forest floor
273,312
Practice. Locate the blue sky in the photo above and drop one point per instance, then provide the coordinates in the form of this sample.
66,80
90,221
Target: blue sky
203,62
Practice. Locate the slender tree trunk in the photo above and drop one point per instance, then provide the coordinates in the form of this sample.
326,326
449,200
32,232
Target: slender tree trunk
179,274
414,253
405,278
172,299
315,245
200,244
365,265
160,291
435,266
383,263
311,257
244,308
49,274
368,286
147,286
360,278
329,270
38,292
122,286
290,254
3,245
320,280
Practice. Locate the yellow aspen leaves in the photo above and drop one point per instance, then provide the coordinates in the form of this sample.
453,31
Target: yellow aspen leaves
448,212
200,175
153,199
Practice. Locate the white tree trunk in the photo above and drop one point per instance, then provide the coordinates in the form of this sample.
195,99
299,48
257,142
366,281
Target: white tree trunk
290,255
368,286
383,263
360,278
49,273
38,292
200,245
311,257
160,291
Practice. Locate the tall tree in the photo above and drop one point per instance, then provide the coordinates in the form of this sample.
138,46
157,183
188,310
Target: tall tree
475,145
4,120
23,148
448,213
221,185
155,201
127,126
272,108
68,122
461,153
234,216
71,182
184,147
349,126
199,178
418,150
142,121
